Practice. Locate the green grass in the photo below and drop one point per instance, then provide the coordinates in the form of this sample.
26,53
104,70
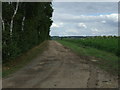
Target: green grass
106,60
102,43
18,63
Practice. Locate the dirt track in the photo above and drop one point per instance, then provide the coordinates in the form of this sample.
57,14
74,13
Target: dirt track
58,67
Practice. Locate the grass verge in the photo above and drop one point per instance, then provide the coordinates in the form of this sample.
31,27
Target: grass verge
105,60
14,65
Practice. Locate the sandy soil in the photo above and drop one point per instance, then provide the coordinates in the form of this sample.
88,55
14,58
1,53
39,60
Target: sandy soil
58,67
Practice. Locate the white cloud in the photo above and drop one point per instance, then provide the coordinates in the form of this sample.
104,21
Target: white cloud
82,25
94,30
103,21
88,18
61,24
113,17
72,31
54,25
91,19
57,25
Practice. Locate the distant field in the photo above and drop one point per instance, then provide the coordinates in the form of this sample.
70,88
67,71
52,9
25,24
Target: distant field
105,49
103,43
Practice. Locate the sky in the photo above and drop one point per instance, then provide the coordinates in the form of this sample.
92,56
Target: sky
84,19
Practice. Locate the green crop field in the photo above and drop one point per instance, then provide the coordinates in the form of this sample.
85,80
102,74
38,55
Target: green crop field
104,49
109,44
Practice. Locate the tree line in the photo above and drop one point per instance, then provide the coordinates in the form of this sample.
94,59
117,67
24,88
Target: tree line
24,25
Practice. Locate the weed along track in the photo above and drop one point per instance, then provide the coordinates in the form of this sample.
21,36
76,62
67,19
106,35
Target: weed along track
58,67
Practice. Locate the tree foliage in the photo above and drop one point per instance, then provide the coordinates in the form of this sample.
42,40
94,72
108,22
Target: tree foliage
31,26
